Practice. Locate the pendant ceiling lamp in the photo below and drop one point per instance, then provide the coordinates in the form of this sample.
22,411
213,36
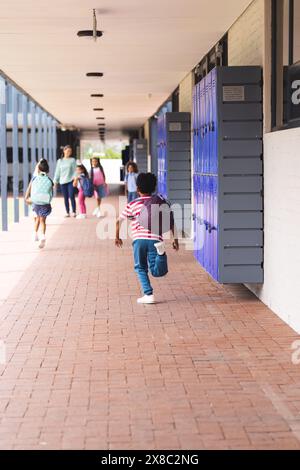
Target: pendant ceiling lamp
91,33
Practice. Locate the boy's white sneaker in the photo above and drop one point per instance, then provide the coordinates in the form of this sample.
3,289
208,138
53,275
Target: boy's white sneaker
99,215
96,211
160,247
81,216
147,299
42,242
35,237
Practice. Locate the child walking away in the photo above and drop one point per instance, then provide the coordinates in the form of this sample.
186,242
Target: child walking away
98,180
39,193
130,181
85,189
148,245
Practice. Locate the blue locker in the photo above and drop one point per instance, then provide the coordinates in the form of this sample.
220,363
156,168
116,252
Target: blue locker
199,150
208,122
195,176
203,107
205,222
208,223
195,128
206,136
216,229
196,200
201,122
222,243
214,123
201,225
211,225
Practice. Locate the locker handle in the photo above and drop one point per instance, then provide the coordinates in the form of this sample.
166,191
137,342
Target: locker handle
212,126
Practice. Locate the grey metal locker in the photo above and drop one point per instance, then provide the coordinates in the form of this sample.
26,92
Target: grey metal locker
140,154
228,174
174,165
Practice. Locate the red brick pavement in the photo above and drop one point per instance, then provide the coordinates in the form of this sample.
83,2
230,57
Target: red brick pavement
209,367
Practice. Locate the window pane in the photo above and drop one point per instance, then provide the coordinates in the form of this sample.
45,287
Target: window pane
297,31
286,19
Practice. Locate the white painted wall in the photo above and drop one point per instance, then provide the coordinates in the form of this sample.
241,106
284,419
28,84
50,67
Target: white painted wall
281,290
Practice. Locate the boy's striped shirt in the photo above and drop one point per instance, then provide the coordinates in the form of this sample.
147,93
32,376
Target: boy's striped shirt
131,212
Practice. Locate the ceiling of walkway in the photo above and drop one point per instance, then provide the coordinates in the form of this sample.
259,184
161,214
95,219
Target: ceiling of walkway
147,48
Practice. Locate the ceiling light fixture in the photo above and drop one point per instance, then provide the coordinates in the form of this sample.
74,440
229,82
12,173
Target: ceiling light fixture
97,95
94,74
91,33
98,109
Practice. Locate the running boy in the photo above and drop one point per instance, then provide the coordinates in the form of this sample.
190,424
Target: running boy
148,248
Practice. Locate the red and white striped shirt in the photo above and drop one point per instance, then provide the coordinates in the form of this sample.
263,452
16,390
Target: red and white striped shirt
131,212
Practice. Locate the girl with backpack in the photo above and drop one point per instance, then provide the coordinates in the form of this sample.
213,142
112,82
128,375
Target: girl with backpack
99,182
85,189
130,181
39,194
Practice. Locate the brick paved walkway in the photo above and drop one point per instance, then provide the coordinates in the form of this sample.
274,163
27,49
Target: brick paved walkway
87,368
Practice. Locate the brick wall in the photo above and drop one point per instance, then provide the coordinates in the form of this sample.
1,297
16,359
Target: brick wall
246,37
186,94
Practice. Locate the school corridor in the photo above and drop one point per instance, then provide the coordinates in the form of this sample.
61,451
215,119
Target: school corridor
208,367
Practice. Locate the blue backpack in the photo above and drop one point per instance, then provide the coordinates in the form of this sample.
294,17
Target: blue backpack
87,186
41,190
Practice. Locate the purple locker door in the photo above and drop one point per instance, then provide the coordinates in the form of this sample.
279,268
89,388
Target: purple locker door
212,215
209,118
216,231
201,227
210,225
214,122
212,231
205,124
194,127
198,128
208,259
199,143
201,130
195,213
205,222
